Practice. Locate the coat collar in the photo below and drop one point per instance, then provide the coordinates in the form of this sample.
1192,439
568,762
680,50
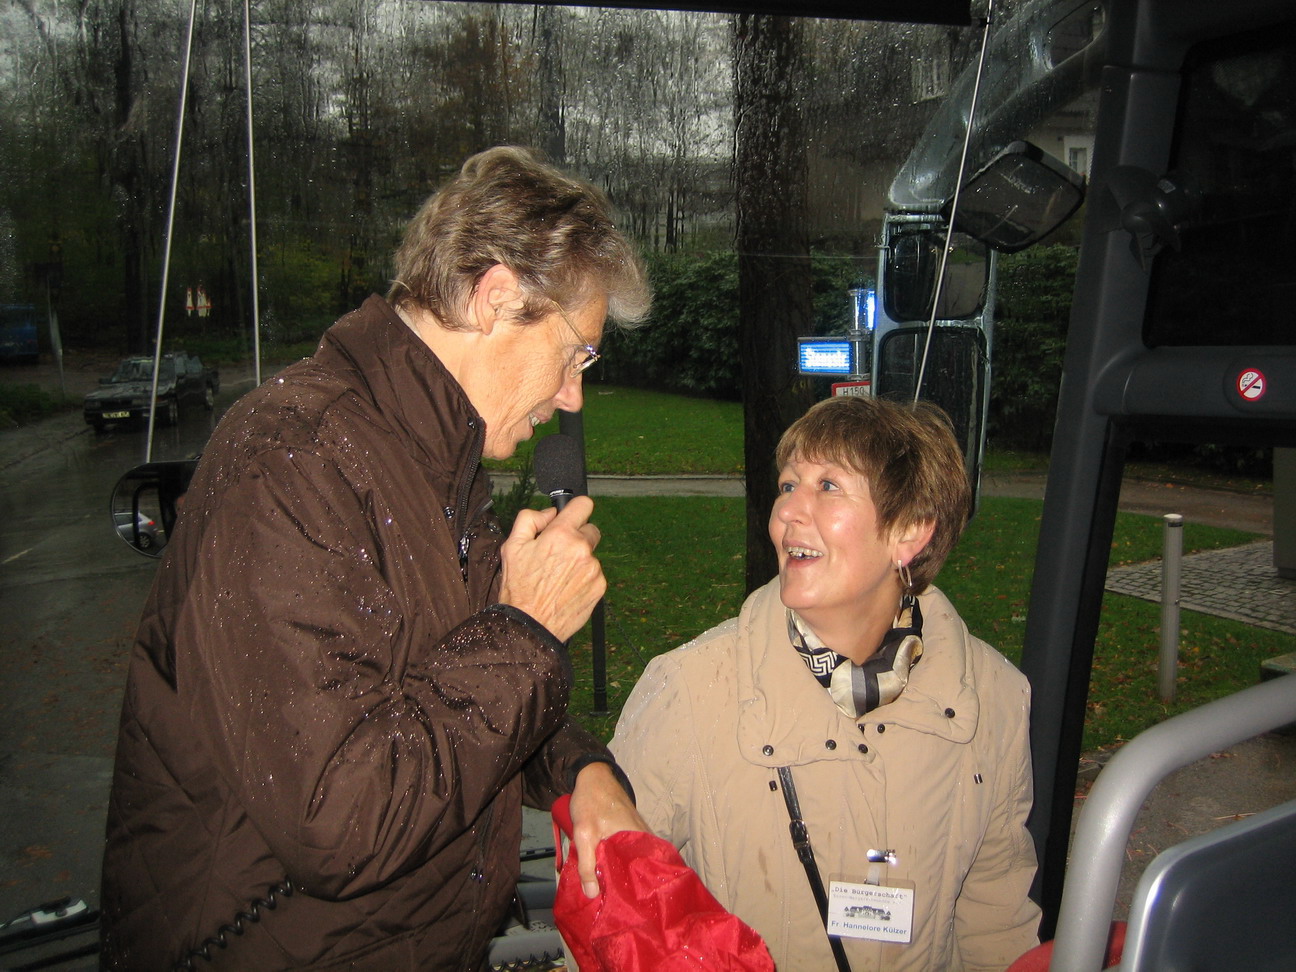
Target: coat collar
408,383
786,718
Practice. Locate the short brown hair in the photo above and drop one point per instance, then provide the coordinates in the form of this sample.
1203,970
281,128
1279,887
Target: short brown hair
908,454
554,231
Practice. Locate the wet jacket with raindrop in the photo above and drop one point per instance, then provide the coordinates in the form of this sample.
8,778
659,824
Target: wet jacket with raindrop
941,776
321,690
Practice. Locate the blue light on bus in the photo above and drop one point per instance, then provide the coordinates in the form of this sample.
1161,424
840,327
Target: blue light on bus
864,303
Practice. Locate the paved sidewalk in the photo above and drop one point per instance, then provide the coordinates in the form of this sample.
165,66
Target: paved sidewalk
1240,583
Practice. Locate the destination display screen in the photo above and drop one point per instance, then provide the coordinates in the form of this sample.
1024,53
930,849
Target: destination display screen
825,356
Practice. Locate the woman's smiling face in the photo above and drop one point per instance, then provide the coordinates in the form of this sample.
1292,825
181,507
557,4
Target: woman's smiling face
837,572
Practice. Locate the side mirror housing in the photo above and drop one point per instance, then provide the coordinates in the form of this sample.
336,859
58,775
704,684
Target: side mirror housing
1018,198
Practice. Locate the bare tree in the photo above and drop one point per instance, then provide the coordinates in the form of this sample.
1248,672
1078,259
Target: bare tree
551,93
125,100
649,115
364,107
85,154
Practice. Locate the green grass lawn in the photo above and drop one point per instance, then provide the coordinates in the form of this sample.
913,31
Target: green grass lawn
634,432
23,403
628,430
988,578
675,568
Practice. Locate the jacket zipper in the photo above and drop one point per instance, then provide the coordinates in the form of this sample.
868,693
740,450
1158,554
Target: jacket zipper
461,502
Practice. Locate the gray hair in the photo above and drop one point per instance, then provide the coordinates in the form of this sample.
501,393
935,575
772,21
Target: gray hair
554,231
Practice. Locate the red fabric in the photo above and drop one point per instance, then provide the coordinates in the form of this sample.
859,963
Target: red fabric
652,914
1039,957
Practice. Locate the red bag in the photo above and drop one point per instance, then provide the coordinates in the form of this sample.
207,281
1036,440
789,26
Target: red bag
1039,958
652,914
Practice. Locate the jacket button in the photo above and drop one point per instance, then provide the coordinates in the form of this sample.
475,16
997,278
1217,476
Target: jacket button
949,713
831,744
881,727
767,750
863,748
476,875
862,727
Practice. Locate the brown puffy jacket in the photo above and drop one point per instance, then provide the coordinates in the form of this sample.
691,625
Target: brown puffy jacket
321,692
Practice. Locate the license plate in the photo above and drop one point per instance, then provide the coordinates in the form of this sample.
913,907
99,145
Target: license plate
116,415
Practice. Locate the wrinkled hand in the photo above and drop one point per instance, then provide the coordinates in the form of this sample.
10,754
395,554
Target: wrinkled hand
549,567
600,807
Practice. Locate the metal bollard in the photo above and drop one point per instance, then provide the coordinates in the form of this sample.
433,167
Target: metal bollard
1171,568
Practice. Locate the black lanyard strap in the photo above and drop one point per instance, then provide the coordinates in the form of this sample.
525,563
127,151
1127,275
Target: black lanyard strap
805,854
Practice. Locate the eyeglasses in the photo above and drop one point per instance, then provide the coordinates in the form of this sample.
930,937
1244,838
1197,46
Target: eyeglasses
592,355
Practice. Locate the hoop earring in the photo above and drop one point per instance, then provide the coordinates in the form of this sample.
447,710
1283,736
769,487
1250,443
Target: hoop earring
906,578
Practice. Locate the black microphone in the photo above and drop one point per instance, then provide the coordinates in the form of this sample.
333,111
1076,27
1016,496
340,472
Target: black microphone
559,468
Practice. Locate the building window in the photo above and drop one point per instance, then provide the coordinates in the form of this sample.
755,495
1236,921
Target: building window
930,77
1078,159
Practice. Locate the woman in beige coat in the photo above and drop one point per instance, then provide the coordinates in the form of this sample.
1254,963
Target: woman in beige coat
848,695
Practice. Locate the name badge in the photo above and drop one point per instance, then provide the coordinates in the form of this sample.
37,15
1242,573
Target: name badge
875,912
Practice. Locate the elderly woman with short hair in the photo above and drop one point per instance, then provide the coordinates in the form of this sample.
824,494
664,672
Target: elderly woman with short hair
848,703
346,681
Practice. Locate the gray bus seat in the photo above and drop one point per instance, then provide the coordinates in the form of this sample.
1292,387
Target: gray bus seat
1224,900
1233,884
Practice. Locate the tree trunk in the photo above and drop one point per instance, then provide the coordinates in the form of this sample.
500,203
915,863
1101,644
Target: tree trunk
128,175
553,125
774,282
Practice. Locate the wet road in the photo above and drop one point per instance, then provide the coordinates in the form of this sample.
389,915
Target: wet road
70,595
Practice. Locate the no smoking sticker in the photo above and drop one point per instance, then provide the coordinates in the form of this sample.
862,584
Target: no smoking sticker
1251,384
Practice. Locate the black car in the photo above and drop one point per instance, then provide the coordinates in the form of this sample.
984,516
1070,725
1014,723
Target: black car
182,379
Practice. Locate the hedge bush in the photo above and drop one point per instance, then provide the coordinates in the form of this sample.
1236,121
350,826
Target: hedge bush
690,344
1033,307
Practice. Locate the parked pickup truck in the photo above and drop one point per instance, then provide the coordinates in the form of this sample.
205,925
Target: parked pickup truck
182,379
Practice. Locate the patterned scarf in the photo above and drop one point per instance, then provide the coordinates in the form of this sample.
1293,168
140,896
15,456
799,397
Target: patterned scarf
857,689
